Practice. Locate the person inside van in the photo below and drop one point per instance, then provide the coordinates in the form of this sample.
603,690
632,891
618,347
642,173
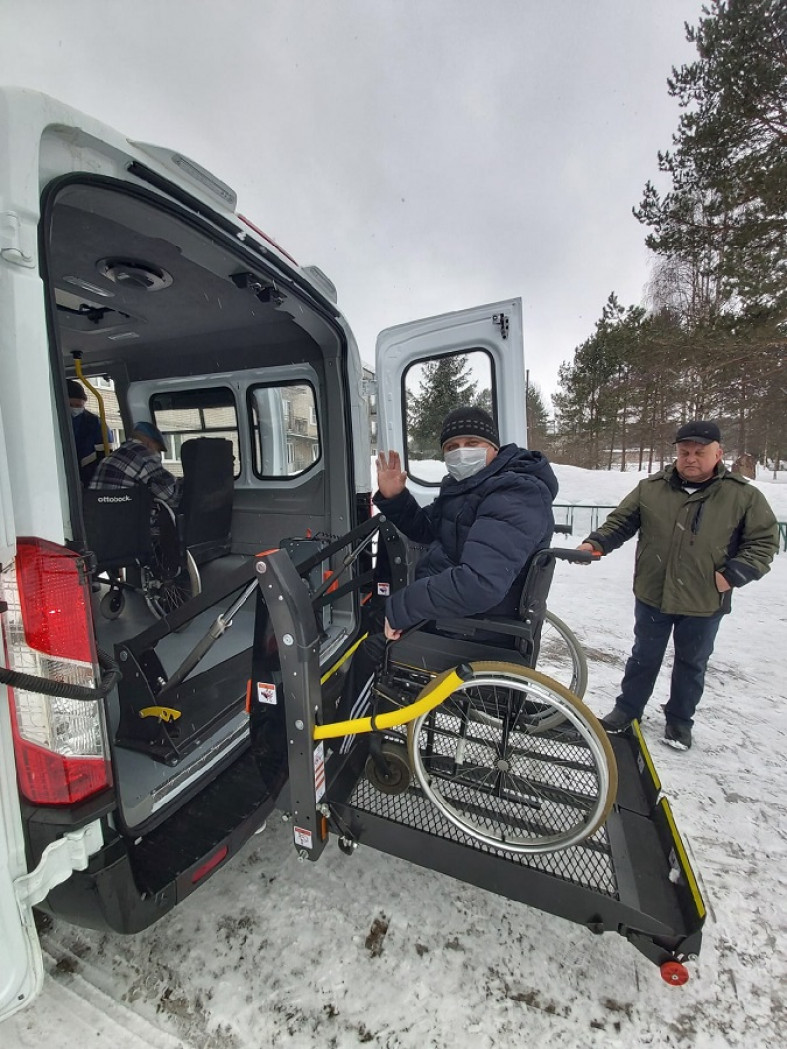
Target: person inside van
493,511
88,438
138,461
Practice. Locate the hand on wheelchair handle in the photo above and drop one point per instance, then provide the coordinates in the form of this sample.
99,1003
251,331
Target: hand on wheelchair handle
587,549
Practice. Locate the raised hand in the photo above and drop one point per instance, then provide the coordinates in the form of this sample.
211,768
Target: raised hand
391,478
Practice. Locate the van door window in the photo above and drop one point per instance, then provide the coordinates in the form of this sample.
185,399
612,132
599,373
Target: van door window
183,414
286,433
432,389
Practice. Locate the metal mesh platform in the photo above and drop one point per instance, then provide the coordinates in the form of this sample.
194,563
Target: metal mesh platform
588,865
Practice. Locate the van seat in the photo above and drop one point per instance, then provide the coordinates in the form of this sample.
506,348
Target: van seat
206,501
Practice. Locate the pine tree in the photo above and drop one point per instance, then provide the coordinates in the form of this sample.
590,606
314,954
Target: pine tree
445,384
538,436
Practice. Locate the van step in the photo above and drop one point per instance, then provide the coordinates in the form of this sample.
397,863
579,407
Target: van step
224,813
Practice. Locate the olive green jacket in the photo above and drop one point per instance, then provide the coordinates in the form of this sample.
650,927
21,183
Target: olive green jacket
684,539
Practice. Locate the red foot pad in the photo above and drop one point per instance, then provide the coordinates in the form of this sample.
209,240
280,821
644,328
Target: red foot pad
675,973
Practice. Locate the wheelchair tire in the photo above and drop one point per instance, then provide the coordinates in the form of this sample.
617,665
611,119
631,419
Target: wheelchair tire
561,655
167,581
163,596
112,604
485,760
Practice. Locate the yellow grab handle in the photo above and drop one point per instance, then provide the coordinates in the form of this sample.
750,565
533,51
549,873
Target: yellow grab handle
101,409
431,696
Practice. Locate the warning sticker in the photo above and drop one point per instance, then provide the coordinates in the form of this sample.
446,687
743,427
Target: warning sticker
266,693
319,771
384,589
303,837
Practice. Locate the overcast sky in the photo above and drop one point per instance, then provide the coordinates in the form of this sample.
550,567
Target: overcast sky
428,155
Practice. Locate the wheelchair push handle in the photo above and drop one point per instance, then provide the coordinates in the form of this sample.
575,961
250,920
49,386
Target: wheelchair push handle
548,554
579,557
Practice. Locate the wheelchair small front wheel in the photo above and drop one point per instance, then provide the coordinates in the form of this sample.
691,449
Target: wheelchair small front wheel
485,760
112,604
389,770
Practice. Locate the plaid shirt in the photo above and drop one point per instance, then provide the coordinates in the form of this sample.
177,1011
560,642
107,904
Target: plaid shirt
132,463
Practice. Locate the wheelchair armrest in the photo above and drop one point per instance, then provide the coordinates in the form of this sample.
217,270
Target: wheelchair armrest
495,624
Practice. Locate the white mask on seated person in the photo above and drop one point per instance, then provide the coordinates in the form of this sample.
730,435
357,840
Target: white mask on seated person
462,463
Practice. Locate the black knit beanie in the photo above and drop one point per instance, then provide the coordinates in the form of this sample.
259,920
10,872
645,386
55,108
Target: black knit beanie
470,422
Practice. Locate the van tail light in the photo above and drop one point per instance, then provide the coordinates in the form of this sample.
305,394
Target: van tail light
60,744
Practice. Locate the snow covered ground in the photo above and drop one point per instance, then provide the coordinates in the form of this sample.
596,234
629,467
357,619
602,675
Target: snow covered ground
372,950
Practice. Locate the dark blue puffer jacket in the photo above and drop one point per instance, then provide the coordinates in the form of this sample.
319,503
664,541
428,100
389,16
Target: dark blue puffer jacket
480,532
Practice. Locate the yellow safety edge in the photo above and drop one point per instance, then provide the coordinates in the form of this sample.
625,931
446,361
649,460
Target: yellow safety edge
343,659
684,859
646,755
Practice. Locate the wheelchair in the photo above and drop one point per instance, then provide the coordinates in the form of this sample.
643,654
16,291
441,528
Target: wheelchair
511,757
134,539
141,545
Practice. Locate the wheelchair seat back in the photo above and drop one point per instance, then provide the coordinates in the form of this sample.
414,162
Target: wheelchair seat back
117,524
206,502
538,574
521,632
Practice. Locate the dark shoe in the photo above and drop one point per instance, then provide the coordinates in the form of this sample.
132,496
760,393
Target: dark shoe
677,736
616,721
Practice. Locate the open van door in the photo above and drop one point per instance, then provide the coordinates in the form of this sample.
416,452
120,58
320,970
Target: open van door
21,969
428,367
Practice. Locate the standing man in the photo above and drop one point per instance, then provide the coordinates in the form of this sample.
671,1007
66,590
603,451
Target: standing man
87,432
493,511
702,531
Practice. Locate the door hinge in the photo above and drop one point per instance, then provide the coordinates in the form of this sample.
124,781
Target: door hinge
501,320
70,853
16,246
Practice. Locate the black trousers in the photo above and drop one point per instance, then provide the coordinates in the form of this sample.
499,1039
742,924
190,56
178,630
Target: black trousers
693,638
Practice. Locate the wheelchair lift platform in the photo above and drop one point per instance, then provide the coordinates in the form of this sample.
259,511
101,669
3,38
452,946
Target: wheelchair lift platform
632,876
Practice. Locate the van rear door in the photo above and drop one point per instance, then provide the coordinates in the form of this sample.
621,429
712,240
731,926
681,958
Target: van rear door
428,367
21,969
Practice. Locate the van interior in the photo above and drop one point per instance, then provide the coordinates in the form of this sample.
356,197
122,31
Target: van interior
244,373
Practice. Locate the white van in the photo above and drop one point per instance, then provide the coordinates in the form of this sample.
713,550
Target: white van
128,264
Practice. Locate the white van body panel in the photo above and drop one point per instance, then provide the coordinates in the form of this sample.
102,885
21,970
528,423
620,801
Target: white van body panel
21,968
495,329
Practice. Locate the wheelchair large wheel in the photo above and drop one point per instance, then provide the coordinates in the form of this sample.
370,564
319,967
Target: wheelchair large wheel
560,655
164,594
168,580
484,759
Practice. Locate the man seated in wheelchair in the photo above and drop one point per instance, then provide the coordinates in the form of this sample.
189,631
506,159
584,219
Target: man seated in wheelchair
493,511
138,461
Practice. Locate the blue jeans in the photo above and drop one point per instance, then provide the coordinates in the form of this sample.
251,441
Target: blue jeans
692,638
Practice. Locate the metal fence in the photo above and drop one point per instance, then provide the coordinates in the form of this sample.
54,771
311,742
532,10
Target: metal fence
585,519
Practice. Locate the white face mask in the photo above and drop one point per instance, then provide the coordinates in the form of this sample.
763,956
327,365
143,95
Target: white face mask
76,411
464,462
